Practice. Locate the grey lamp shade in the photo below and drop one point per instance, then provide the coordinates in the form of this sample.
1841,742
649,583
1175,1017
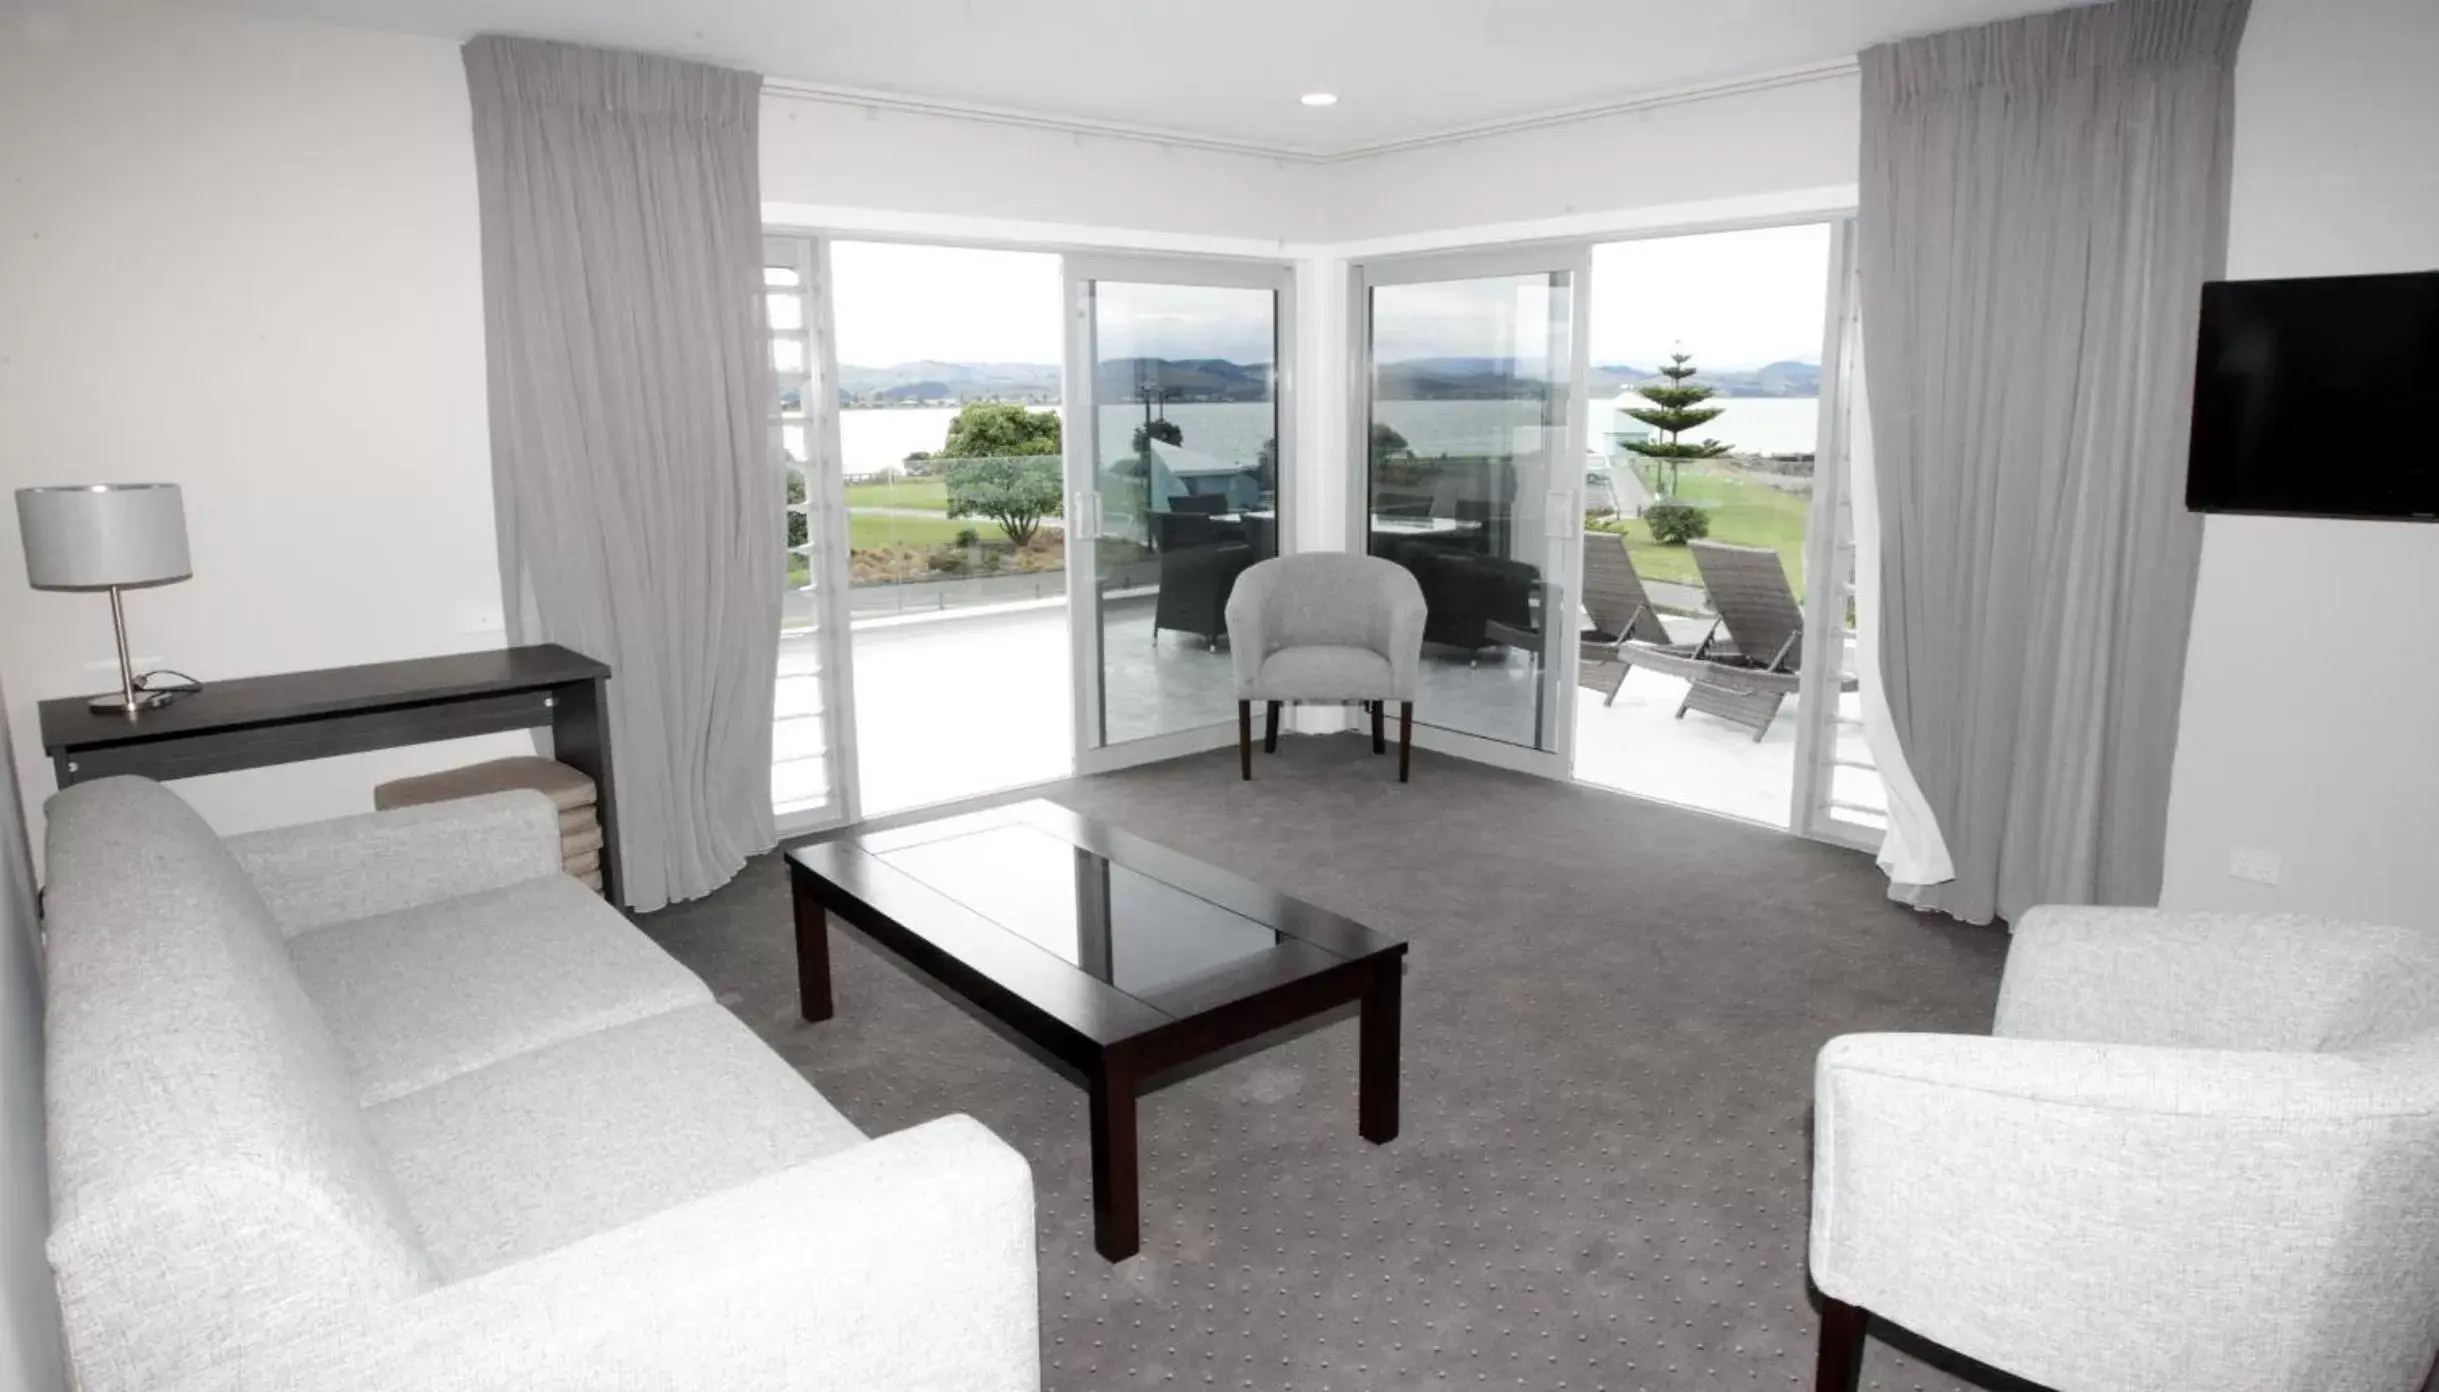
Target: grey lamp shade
93,536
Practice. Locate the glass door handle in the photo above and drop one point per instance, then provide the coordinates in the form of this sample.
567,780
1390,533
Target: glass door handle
1084,515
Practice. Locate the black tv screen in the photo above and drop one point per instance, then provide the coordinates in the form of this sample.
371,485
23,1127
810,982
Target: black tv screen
2318,398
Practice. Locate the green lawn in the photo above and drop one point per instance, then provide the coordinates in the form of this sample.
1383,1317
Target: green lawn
866,532
928,494
1743,512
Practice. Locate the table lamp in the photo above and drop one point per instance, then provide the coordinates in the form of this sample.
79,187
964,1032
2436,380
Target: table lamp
106,536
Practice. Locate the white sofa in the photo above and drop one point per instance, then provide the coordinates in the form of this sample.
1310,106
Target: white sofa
391,1102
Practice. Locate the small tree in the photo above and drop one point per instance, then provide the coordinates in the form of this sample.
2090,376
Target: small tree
999,430
1675,408
1016,492
1387,443
1001,461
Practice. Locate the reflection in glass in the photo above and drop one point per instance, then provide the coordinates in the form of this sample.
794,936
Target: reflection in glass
1469,396
1187,467
1126,928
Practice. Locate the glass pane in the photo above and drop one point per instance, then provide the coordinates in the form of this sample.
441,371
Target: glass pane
787,311
1132,931
950,438
1187,468
788,354
1468,424
776,276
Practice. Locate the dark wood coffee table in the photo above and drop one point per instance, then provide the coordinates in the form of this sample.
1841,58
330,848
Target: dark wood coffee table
1117,957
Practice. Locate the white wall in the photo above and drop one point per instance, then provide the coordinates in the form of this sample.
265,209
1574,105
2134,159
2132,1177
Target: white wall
29,1315
2312,680
823,153
1756,144
241,256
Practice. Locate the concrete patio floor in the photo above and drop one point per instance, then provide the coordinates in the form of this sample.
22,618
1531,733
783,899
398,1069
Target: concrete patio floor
953,705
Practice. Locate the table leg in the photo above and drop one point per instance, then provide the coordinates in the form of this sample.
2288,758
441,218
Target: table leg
1116,1220
812,956
1376,1087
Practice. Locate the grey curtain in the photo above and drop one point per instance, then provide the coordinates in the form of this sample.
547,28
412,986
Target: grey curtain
639,498
2041,202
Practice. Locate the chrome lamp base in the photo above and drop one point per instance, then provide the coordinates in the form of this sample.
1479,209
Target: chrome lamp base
130,700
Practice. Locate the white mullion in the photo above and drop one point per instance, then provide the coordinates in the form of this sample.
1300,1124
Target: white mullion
826,528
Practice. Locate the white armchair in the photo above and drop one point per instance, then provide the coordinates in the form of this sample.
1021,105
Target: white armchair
1326,626
2199,1151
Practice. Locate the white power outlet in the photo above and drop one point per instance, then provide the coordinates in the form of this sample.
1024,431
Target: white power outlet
2256,866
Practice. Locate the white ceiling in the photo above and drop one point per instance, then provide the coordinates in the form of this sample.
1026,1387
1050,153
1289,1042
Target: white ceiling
1221,69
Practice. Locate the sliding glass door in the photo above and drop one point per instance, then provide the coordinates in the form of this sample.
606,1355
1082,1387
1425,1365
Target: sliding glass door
1176,447
1018,488
1470,440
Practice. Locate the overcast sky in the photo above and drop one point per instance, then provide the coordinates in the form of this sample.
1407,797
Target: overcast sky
1732,299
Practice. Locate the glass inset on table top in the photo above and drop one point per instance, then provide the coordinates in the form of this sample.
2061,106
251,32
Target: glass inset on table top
1123,927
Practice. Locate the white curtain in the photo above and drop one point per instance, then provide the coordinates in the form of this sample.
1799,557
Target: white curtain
637,489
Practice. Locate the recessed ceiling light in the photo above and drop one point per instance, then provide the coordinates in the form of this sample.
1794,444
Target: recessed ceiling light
1319,99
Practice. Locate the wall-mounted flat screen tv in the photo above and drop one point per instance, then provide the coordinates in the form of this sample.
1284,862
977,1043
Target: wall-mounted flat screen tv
2318,398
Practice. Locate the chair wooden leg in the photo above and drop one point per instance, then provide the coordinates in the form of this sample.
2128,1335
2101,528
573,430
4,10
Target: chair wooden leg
1244,738
1380,716
1841,1363
1405,739
1270,728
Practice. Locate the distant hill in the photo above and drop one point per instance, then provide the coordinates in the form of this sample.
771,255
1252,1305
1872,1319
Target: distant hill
1448,379
1189,379
948,381
1216,379
1480,379
1770,379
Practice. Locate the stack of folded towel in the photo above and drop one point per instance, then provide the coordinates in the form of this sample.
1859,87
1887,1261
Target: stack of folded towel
571,792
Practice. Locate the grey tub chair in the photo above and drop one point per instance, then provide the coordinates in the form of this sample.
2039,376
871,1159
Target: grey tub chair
2200,1150
1326,627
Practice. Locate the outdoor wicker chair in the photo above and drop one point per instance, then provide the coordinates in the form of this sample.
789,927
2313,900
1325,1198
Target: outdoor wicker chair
1746,679
1626,629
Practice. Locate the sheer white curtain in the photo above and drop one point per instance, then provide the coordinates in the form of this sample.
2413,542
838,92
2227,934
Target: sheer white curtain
1912,854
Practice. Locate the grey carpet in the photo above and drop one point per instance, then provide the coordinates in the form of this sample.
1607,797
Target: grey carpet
1611,1011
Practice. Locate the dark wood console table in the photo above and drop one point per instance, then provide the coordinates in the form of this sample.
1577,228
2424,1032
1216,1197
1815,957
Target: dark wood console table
250,722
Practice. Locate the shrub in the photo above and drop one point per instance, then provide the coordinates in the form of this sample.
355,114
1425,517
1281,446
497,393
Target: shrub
1016,493
1674,524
